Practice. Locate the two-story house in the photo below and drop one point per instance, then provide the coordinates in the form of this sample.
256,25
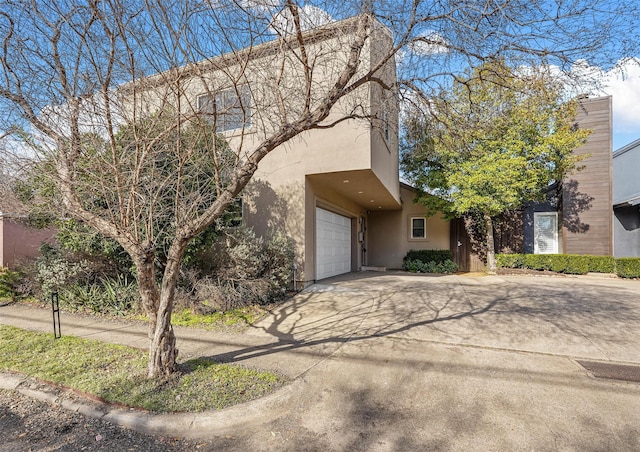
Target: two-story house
334,190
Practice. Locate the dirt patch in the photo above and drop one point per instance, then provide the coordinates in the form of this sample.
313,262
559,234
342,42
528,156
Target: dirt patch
34,425
529,272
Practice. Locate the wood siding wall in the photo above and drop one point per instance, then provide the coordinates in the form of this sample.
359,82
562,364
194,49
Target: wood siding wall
587,211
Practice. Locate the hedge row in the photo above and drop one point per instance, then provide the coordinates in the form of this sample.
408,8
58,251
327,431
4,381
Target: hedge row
575,264
437,256
628,267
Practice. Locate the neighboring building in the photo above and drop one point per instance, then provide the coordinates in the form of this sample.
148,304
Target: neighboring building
626,200
577,218
18,241
335,191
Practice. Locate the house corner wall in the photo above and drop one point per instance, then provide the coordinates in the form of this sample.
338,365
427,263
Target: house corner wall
587,207
2,259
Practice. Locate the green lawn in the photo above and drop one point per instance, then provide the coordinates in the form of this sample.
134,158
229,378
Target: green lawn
118,374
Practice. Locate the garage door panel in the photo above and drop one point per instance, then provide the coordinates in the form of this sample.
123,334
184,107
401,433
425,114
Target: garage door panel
333,244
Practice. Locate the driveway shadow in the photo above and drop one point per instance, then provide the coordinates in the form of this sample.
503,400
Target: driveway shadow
547,315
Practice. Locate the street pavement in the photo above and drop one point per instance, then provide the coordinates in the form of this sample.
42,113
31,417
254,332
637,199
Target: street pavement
396,362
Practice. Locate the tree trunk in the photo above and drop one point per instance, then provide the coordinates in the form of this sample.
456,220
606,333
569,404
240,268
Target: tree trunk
491,252
163,353
158,305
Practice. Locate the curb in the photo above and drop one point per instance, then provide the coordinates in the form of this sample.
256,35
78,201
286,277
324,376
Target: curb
198,425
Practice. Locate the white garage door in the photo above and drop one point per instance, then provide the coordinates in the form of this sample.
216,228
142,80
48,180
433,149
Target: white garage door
333,244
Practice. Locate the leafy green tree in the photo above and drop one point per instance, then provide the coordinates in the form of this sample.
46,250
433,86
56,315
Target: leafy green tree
496,140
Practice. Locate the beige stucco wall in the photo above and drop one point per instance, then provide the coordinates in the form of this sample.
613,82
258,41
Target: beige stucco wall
389,233
384,150
280,194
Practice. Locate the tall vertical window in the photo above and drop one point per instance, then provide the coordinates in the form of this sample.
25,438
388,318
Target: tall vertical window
229,109
233,215
385,125
418,228
545,232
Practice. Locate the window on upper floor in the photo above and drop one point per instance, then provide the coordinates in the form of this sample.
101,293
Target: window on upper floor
234,215
229,109
385,125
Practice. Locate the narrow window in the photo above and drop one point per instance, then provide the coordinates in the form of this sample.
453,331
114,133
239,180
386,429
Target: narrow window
385,125
418,228
545,232
233,216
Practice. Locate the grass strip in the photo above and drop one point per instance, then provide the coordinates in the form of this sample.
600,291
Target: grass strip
240,317
234,319
117,373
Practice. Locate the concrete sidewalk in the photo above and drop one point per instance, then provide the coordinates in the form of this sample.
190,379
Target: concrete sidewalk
400,362
255,347
191,343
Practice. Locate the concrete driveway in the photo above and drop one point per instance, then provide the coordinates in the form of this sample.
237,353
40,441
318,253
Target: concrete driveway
403,362
398,362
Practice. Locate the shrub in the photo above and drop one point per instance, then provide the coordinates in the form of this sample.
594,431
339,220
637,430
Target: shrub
539,261
577,265
8,282
54,271
560,263
418,266
602,264
510,260
280,255
241,270
437,256
628,267
115,296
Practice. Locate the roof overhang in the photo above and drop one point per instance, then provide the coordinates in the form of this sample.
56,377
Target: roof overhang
629,202
359,186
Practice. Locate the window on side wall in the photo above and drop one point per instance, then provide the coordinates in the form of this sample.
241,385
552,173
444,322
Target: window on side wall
233,216
418,228
545,232
385,125
229,109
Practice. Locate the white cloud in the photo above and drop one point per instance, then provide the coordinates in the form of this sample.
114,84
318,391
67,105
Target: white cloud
429,43
622,82
310,17
260,6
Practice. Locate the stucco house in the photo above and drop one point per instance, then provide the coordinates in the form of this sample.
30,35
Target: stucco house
626,200
335,191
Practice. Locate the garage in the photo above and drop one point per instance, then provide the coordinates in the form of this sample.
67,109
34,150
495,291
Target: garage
333,244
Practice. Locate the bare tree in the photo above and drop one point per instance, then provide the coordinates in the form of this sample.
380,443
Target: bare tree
122,100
